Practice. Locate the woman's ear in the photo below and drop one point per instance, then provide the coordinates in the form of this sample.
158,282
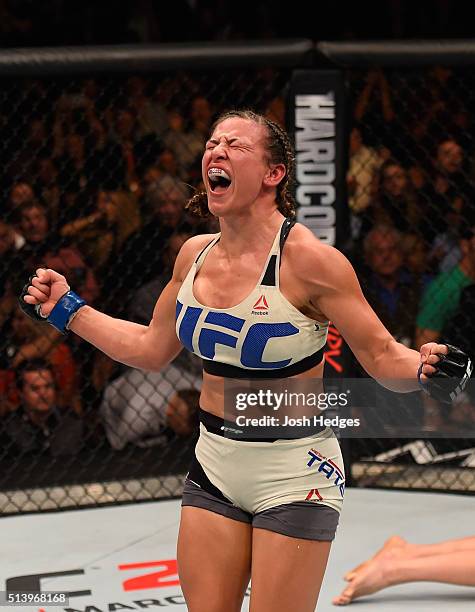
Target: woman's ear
274,175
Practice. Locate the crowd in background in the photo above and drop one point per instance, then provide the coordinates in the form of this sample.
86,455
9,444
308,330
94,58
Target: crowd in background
95,176
411,195
95,180
411,187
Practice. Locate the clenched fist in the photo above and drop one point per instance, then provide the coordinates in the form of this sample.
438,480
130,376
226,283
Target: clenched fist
444,371
431,354
47,296
43,291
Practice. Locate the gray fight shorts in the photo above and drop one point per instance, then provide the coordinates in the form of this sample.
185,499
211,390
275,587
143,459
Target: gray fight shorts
294,487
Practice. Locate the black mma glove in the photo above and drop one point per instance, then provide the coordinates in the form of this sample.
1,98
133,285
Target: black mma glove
451,375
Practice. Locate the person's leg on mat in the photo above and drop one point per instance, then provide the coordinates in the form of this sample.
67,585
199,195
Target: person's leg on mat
418,550
439,548
398,562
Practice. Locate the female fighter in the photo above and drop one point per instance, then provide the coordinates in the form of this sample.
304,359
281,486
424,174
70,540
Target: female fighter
254,301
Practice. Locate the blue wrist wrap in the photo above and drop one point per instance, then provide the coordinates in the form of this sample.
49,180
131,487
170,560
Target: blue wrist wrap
63,311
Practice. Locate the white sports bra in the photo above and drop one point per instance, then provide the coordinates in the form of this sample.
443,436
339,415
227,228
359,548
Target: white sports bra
264,336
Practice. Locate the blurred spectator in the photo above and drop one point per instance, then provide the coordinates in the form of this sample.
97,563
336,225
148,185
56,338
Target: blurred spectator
143,301
151,175
20,192
415,257
460,329
143,249
78,99
201,116
74,170
48,188
445,253
163,186
396,201
35,143
42,248
441,300
429,104
450,195
100,235
9,398
374,92
361,179
142,408
107,166
186,150
38,425
374,107
137,151
151,115
168,163
8,302
19,347
391,289
9,270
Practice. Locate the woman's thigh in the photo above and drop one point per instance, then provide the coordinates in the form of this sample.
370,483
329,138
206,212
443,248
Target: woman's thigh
214,560
287,572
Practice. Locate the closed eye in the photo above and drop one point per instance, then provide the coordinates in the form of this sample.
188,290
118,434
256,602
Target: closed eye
233,143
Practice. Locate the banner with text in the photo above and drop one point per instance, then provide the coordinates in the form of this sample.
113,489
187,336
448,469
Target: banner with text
316,123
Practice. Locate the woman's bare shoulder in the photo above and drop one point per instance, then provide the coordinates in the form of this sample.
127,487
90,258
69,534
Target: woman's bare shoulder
303,248
303,242
190,251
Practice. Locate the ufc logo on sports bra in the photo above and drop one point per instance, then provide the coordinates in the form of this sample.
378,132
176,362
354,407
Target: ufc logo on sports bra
254,342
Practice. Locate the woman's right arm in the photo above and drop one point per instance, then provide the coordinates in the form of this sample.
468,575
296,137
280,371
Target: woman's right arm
147,347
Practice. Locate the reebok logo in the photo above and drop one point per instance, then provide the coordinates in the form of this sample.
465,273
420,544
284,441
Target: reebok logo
314,496
261,307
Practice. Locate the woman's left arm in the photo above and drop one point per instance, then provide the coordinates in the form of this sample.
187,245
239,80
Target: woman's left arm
335,291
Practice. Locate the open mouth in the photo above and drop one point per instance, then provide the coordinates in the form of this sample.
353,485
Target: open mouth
219,180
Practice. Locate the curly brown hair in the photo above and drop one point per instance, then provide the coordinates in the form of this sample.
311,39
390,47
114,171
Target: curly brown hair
280,151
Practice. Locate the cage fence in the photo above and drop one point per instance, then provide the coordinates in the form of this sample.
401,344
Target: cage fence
97,163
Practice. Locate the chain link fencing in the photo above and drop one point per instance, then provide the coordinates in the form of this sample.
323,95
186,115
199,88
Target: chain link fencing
96,169
95,173
411,188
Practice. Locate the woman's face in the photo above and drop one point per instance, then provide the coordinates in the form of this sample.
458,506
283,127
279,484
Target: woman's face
234,165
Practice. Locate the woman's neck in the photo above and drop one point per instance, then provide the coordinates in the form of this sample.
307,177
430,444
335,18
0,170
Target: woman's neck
249,233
